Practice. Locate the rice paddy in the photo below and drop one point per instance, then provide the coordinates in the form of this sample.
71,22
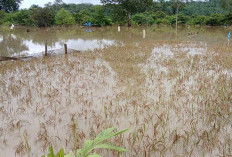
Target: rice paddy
173,92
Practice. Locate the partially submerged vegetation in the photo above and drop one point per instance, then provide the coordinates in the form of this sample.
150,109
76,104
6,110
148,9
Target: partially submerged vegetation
90,145
172,88
175,96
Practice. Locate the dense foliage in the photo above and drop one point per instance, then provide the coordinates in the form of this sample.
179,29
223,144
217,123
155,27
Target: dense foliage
129,6
129,12
9,5
63,17
42,17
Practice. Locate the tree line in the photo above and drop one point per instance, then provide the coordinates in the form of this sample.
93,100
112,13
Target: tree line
119,12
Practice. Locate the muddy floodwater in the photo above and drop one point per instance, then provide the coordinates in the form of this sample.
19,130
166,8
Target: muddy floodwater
173,90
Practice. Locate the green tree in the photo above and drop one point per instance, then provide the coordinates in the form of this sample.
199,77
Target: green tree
23,17
85,15
204,8
117,14
228,19
100,18
64,17
183,19
43,17
129,6
10,5
198,20
227,4
9,19
143,18
215,20
2,16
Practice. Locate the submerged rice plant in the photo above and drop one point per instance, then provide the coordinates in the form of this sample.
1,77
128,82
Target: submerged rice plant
174,95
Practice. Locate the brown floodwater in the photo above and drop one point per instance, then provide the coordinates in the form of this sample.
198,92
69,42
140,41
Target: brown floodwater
173,90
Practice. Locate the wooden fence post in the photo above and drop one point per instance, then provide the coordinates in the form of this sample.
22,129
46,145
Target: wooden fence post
46,48
65,49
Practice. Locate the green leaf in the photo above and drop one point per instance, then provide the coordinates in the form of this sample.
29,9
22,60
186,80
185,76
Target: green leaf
87,147
51,154
107,146
107,134
120,132
61,153
70,154
90,145
94,155
78,153
103,135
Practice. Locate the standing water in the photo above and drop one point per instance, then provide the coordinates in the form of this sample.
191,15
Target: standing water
172,91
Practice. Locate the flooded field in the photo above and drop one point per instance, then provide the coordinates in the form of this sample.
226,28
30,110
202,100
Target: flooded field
173,90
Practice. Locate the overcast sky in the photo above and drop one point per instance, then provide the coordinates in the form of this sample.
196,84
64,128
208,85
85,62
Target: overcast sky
28,3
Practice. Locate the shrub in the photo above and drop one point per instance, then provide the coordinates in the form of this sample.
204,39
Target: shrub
228,19
2,16
9,19
7,23
23,17
159,15
215,20
43,17
198,20
99,17
183,19
142,18
85,16
64,17
172,19
162,21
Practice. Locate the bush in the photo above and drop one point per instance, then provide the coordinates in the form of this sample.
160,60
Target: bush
142,18
162,21
139,19
43,17
2,16
172,19
7,23
9,19
159,15
63,17
23,17
182,19
228,19
99,17
215,20
85,16
198,20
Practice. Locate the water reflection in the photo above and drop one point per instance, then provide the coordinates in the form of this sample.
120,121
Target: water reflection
88,30
10,45
76,44
20,41
86,45
33,42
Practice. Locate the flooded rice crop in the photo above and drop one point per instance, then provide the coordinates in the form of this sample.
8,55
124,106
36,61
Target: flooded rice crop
172,90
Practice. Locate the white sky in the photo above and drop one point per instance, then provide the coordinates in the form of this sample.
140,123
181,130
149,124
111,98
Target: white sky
28,3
